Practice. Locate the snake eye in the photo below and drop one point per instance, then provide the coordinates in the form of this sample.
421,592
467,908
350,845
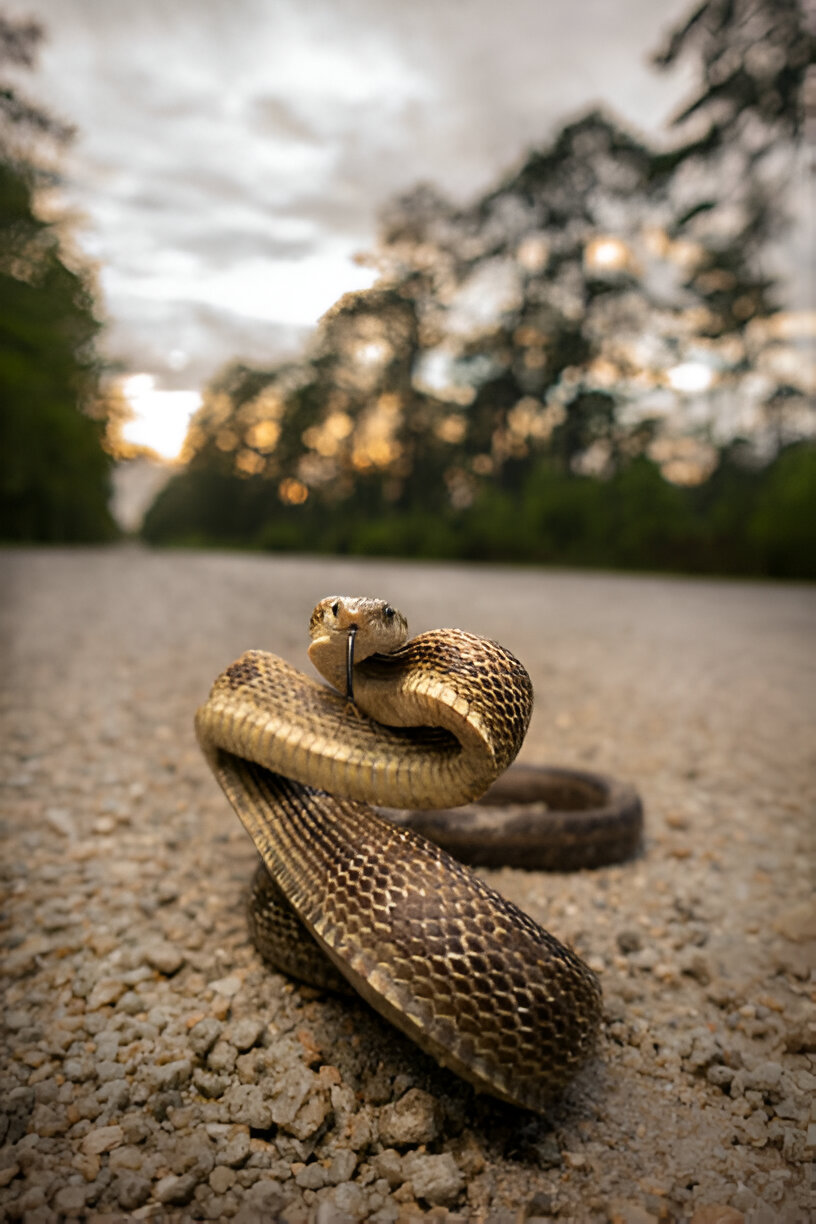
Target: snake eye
335,608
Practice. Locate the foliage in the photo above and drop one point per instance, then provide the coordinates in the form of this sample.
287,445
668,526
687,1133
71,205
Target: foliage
743,520
563,371
54,475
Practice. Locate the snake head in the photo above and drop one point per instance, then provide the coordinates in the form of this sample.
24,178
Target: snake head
352,627
379,627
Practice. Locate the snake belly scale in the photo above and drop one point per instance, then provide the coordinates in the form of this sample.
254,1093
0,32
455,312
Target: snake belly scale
466,974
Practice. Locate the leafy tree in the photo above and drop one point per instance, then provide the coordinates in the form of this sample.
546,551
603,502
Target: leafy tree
555,371
54,474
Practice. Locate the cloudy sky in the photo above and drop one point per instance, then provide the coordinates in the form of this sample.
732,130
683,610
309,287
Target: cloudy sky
232,155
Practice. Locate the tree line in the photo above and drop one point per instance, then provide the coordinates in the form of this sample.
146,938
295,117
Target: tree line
54,473
587,365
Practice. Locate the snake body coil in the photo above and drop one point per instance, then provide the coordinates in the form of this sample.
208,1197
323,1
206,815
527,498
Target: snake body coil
462,971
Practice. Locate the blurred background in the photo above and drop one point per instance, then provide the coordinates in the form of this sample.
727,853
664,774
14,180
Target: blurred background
453,280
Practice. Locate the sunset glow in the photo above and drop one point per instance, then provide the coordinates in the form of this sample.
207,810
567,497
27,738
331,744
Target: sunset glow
159,418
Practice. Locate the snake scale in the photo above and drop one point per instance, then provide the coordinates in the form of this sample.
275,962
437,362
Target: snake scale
466,974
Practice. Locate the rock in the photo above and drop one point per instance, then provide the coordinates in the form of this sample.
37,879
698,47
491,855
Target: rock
222,1057
8,1173
165,958
290,1091
695,964
246,1103
311,1116
717,1213
61,821
176,1191
629,941
78,1070
624,1211
126,1157
388,1164
800,1035
263,1201
221,1179
166,1076
135,1128
48,1122
348,1203
102,1139
105,992
311,1177
237,1147
227,987
209,1084
413,1119
108,1071
645,958
436,1179
540,1205
720,1075
766,1077
204,1035
131,1003
131,1190
70,1200
18,1107
246,1033
799,923
193,1153
342,1166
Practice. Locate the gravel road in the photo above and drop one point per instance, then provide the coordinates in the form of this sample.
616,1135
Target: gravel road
152,1068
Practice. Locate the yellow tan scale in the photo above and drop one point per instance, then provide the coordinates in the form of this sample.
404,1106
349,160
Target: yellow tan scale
434,720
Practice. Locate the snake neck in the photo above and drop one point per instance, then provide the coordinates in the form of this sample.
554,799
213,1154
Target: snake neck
439,720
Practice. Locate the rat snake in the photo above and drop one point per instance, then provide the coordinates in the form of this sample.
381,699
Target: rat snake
433,721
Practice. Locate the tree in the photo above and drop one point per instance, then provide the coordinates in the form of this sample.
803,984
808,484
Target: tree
54,474
603,315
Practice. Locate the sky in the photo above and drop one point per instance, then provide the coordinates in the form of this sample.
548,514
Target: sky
232,156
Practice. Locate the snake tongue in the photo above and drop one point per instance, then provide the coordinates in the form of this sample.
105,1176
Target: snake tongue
352,633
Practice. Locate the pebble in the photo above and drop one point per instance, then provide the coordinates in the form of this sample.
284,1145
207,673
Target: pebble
437,1179
164,958
237,1147
312,1177
209,1084
70,1200
169,1075
414,1119
176,1191
228,987
222,1178
61,821
247,1104
106,992
103,1139
222,1057
204,1035
131,1190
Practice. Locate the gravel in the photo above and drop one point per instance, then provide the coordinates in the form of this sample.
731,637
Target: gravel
152,1066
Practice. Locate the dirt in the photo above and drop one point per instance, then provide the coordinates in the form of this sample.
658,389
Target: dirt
153,1068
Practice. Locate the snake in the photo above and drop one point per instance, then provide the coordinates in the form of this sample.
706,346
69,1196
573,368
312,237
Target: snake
429,722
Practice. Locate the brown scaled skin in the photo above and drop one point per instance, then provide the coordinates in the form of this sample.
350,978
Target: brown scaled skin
463,972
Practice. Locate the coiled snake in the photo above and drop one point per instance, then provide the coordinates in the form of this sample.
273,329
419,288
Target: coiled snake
463,972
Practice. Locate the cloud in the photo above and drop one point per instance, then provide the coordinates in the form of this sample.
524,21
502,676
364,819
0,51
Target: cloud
233,156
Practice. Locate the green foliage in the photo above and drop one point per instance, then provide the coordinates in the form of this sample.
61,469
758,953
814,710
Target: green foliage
54,474
782,524
741,521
